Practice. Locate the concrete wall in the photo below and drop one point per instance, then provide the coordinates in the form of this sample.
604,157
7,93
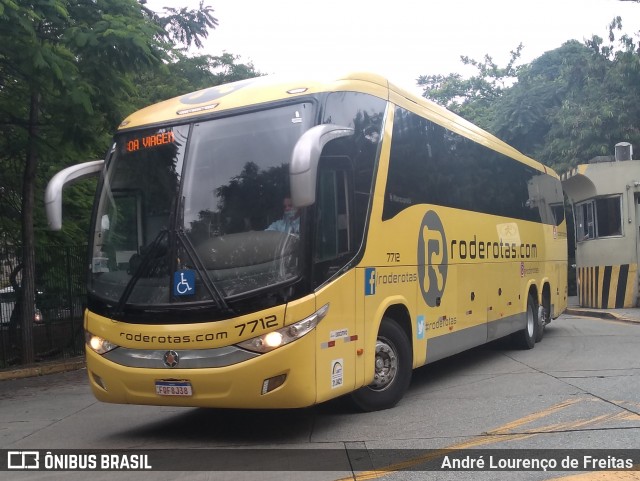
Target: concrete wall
607,267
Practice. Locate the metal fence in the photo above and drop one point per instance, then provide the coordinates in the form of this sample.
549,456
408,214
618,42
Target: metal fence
59,303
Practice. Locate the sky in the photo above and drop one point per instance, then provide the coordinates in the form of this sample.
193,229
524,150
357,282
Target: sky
400,39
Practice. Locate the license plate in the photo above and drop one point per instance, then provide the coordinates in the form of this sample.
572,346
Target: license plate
173,388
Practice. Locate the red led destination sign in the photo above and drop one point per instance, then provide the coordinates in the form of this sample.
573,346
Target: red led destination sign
149,141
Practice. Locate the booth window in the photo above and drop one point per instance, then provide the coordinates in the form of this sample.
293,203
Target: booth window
599,217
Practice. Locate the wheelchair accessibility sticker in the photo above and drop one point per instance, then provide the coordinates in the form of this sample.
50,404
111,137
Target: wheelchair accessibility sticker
184,283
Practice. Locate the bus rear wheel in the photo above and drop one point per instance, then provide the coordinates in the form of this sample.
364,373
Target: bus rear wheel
541,323
544,315
393,366
526,338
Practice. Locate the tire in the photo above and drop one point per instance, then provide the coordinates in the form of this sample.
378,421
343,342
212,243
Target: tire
526,338
393,368
541,323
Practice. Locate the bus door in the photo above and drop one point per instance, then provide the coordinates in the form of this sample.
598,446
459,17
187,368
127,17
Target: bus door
333,247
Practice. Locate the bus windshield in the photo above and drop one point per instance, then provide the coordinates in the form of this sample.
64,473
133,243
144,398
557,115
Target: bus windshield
199,212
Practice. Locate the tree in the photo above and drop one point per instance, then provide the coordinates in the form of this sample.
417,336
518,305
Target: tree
183,25
187,74
524,115
603,109
478,91
66,71
565,107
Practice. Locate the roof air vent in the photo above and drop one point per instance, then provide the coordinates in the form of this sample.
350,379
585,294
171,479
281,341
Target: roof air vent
624,151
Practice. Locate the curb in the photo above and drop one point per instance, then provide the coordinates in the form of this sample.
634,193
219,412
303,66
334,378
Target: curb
600,314
43,369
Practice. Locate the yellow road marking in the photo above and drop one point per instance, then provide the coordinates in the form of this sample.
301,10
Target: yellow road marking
535,416
505,433
603,476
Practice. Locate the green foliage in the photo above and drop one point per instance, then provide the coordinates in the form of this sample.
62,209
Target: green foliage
186,26
89,63
525,114
64,68
565,107
69,72
489,83
187,74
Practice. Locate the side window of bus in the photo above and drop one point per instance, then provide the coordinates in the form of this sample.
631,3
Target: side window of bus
416,142
429,164
333,217
365,114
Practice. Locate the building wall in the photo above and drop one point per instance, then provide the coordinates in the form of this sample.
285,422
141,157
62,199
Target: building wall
607,268
608,286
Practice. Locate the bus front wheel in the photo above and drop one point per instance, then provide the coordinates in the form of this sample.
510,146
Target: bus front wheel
393,365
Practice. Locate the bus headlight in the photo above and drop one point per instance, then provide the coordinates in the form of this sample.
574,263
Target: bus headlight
98,344
275,339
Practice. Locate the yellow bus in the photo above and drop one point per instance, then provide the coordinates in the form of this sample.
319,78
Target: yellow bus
276,243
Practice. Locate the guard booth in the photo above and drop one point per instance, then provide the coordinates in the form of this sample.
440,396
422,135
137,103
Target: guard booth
605,195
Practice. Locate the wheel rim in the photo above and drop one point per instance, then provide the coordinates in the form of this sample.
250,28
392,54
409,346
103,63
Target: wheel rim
530,322
386,364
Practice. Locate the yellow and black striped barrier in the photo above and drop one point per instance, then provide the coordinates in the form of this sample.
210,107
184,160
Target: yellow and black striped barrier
608,287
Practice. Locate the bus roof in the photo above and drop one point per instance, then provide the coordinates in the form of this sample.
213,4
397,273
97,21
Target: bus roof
270,88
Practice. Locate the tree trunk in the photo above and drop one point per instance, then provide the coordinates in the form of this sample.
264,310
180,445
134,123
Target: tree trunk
28,237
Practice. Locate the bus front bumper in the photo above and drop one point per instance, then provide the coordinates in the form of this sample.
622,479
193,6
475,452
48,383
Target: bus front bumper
240,385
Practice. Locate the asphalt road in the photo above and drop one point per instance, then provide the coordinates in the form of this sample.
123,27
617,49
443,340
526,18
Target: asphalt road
578,389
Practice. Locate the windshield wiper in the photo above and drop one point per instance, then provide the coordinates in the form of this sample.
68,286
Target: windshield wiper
211,287
149,255
141,268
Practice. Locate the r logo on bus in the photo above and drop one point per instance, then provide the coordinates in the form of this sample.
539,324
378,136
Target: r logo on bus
432,258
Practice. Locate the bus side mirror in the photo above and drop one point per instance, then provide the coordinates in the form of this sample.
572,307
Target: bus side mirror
305,158
53,194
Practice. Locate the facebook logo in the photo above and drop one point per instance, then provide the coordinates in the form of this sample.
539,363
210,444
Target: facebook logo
369,281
